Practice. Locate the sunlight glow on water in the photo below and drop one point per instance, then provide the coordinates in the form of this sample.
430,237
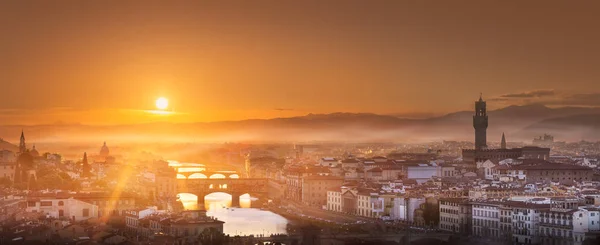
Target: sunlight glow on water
238,221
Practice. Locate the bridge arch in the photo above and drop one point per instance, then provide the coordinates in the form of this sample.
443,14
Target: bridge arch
181,176
234,187
217,176
245,201
224,199
188,200
197,176
234,176
213,200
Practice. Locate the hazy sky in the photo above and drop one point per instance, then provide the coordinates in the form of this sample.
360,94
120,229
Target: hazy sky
107,61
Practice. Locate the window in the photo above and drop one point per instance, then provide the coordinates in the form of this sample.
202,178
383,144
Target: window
86,212
46,203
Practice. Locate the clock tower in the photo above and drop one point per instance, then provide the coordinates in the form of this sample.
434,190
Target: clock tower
480,123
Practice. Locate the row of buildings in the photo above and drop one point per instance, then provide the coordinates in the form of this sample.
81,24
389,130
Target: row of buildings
186,226
527,220
20,167
372,203
74,206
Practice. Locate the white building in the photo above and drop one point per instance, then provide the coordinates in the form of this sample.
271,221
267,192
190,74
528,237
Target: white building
593,219
371,204
404,208
486,219
68,208
488,169
525,216
565,226
133,217
334,201
364,205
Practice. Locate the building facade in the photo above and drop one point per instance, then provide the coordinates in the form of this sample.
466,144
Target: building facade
473,156
403,208
455,215
66,208
555,172
314,189
486,219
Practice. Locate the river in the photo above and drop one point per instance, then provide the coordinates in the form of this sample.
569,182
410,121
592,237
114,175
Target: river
244,220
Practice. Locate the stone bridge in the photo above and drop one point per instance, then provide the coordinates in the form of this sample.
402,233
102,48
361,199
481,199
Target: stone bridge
234,187
208,175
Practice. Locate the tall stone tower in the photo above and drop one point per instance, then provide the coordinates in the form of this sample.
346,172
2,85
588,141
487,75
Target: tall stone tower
22,146
86,168
480,123
503,142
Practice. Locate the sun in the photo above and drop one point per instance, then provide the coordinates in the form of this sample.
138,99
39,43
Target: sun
162,103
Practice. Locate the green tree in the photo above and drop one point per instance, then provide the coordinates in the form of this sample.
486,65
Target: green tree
431,214
57,180
45,170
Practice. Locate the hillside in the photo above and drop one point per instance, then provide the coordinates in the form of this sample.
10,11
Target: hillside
571,128
518,122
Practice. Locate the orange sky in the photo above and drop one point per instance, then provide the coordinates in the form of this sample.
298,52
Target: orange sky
104,62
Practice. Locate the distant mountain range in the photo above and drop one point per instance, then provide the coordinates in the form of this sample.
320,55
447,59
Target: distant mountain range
520,123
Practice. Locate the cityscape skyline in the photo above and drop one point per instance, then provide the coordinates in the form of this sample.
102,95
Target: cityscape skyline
313,122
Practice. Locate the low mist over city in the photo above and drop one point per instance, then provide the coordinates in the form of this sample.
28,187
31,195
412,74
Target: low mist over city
330,122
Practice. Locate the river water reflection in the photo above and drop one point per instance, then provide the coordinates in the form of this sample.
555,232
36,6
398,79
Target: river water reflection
244,220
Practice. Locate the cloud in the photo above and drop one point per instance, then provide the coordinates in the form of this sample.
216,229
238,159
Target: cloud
550,98
531,94
590,99
283,109
498,99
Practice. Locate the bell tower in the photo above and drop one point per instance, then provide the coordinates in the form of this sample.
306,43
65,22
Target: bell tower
22,146
480,123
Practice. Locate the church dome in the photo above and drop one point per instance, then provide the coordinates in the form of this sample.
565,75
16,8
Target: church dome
34,152
104,150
